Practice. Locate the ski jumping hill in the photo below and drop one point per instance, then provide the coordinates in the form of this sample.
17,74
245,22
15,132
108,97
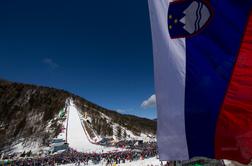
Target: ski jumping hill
32,116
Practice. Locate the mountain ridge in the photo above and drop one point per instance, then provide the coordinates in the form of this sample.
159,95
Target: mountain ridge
26,110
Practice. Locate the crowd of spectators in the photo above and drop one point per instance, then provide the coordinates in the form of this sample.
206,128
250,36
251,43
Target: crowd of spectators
73,157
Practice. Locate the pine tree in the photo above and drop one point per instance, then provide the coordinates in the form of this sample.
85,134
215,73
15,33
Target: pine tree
124,134
119,132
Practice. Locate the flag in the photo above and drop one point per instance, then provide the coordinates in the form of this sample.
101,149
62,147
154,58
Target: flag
203,78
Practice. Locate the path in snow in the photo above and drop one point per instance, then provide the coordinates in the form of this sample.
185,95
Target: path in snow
76,136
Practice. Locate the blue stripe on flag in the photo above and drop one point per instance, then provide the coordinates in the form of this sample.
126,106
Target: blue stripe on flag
210,57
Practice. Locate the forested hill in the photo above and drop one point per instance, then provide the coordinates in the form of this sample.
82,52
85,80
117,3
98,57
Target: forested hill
29,114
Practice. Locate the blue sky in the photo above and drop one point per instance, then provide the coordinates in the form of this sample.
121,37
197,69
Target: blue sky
100,50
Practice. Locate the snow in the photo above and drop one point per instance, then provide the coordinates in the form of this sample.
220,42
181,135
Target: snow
147,162
96,137
76,136
21,146
73,132
132,136
62,135
143,136
35,145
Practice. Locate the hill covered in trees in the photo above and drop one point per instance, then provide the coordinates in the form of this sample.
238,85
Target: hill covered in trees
29,114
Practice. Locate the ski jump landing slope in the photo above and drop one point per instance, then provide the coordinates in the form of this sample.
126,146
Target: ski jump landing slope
76,136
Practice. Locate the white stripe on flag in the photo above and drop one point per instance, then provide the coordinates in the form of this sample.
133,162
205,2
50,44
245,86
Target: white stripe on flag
170,69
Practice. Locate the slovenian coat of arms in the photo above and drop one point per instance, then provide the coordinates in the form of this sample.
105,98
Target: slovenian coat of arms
188,17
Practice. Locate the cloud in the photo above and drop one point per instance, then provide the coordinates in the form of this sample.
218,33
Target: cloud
49,62
150,102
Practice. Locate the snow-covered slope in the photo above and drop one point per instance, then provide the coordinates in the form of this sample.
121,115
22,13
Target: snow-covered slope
31,120
76,135
126,133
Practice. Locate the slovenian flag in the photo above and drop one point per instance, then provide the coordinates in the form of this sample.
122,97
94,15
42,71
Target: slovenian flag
203,77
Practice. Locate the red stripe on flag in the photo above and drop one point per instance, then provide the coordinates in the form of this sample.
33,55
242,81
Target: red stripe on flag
234,127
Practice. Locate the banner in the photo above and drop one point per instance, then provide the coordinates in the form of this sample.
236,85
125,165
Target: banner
203,77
